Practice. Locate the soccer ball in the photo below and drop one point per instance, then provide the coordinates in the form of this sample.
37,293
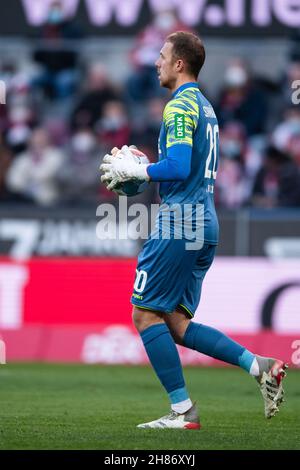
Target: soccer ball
133,187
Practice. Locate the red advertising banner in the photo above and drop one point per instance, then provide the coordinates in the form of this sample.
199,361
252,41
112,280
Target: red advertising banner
79,310
60,291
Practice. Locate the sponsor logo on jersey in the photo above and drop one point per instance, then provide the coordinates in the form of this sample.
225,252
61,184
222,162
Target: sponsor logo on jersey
179,126
136,296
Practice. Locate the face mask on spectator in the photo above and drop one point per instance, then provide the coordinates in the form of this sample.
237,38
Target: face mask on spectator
295,121
293,127
231,148
235,76
83,143
55,16
112,123
18,137
165,21
19,115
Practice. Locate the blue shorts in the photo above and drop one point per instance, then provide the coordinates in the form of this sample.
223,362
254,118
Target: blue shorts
168,276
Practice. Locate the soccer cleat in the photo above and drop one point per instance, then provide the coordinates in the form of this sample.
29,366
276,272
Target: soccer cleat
174,420
270,384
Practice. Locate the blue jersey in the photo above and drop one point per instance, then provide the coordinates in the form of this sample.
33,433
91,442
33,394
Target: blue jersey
189,120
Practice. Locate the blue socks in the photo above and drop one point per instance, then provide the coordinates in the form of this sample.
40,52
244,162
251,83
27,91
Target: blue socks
215,344
164,357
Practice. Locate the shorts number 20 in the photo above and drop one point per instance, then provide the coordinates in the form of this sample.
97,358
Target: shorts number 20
140,281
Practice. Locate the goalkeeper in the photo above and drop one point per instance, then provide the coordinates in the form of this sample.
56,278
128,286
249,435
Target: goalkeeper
169,276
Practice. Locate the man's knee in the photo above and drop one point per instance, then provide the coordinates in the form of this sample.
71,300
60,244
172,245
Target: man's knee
177,323
142,318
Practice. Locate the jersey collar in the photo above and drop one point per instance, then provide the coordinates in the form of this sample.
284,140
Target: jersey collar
184,86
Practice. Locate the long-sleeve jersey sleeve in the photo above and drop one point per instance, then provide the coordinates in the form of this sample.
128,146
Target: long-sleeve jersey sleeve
180,120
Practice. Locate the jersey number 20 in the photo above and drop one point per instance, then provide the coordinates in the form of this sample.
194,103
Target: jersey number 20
212,133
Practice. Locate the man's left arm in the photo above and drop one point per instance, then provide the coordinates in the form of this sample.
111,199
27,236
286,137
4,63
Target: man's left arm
180,120
176,167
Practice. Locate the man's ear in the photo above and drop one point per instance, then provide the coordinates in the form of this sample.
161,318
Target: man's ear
179,65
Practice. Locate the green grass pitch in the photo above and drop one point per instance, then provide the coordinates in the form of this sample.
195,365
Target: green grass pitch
51,406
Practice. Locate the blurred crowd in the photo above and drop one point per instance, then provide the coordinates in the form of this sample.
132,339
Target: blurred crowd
61,116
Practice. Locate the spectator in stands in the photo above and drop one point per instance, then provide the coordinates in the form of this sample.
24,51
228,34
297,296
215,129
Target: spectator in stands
232,184
33,174
79,176
294,52
242,100
277,183
291,74
17,138
21,120
294,148
98,91
143,84
144,132
59,60
58,130
3,118
287,129
113,128
21,113
7,71
5,161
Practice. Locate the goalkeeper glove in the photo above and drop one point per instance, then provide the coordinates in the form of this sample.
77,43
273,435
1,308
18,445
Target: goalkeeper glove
123,166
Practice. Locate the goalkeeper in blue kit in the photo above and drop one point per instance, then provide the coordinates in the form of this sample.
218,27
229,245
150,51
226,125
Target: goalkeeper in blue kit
171,267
